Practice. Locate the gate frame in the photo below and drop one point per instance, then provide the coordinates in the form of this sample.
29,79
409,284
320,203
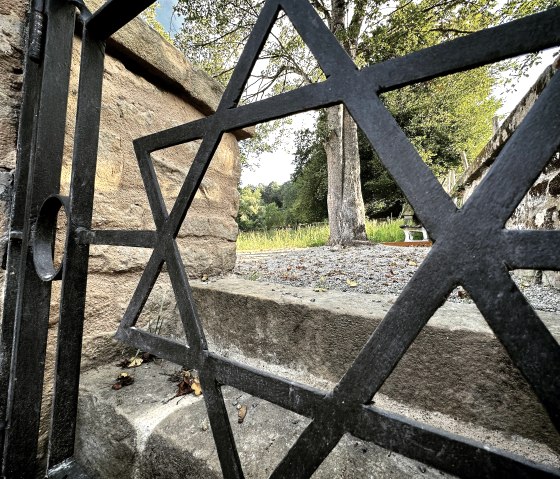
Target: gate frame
450,263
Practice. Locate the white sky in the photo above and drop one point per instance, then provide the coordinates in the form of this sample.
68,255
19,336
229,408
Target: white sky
278,166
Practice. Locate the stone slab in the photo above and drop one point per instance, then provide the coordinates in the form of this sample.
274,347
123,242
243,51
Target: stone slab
138,433
455,367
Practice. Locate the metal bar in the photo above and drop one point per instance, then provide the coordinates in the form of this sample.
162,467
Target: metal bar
164,348
309,97
131,238
33,302
329,53
530,34
185,301
114,15
25,144
529,343
296,397
151,185
74,279
255,43
310,450
140,296
431,203
440,449
523,157
531,249
423,295
221,427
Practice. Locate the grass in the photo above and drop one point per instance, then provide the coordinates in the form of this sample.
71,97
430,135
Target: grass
313,235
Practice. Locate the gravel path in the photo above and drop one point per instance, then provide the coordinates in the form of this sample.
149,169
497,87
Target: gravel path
376,269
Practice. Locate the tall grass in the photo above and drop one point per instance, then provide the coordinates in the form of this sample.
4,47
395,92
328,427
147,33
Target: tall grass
384,232
312,235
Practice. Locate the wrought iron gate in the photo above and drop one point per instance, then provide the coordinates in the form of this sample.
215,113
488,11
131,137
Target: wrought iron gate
472,248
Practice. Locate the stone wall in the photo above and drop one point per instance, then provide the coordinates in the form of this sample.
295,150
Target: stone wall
12,23
540,208
148,86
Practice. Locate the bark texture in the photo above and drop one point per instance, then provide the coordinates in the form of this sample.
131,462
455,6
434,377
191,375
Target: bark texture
344,200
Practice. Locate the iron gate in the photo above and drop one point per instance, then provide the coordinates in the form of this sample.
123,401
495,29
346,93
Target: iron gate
472,248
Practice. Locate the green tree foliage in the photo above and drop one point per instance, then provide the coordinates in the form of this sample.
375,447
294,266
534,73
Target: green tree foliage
149,16
442,117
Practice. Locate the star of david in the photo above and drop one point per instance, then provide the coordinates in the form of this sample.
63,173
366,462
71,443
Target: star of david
469,244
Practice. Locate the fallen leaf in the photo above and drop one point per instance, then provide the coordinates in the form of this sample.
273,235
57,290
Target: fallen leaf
123,380
148,357
351,283
412,263
135,361
196,387
241,413
184,388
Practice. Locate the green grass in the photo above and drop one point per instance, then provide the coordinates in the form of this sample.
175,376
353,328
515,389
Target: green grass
314,235
385,232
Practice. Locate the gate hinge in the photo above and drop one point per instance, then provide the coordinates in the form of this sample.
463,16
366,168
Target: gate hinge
36,34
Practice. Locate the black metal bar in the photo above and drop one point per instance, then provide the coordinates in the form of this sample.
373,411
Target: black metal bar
221,427
74,280
431,203
529,343
440,449
151,184
531,249
523,157
25,145
32,313
296,397
140,296
310,449
164,348
526,35
131,238
250,54
309,97
185,301
332,58
114,15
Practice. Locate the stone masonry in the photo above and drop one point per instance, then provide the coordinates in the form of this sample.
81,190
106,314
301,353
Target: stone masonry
540,209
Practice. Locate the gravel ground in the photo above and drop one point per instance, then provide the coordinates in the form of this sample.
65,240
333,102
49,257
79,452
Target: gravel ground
375,269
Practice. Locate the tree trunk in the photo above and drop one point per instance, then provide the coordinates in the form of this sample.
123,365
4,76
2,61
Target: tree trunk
344,200
344,197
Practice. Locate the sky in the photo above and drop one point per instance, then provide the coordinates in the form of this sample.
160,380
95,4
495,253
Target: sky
278,166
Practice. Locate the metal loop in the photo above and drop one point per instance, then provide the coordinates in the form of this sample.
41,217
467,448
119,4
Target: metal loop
45,232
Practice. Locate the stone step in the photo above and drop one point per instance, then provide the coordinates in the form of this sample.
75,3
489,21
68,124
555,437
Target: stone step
455,377
143,432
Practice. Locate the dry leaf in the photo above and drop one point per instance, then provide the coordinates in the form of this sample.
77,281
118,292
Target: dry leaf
241,413
351,283
412,263
123,380
196,387
135,361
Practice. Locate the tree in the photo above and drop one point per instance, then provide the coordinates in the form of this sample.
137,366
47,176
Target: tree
215,32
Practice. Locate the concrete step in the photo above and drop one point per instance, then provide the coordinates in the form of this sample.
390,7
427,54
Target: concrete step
456,377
